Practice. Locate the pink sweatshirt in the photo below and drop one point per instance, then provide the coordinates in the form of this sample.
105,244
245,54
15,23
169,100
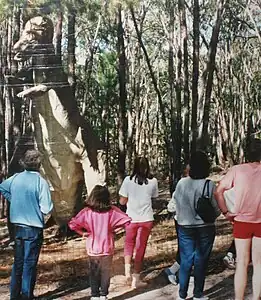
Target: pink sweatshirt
245,179
100,227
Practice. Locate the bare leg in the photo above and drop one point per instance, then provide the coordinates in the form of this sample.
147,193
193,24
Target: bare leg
243,247
256,259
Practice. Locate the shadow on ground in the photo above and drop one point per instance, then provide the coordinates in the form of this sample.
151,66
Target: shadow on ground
66,288
81,284
225,288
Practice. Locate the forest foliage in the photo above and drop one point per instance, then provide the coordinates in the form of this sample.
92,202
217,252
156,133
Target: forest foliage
155,78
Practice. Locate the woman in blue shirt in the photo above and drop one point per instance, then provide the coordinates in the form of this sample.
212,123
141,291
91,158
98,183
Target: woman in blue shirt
30,199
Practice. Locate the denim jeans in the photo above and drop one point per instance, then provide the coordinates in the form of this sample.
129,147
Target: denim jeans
195,247
28,243
100,275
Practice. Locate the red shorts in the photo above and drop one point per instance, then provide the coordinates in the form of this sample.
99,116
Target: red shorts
244,230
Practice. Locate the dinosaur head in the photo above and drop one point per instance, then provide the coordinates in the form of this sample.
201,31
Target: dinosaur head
35,39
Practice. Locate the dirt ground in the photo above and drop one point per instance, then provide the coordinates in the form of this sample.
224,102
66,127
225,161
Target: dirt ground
63,267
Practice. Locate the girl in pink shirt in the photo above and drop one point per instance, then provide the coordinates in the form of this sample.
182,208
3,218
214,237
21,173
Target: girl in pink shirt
98,222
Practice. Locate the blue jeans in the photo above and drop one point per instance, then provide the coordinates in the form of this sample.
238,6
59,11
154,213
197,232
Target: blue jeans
195,247
28,243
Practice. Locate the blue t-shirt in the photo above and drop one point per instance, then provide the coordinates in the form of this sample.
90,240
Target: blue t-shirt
29,196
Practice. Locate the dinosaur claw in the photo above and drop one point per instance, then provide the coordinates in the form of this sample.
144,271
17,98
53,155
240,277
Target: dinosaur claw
21,95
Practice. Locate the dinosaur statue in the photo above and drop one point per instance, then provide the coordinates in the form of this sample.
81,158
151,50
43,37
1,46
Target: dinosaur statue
72,153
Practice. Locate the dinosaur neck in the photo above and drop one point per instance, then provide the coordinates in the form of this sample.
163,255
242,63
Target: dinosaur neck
46,67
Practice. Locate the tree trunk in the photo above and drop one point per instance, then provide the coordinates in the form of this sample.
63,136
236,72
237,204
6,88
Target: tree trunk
2,116
58,36
15,36
71,47
122,120
173,114
178,138
88,68
17,103
204,139
184,42
8,106
194,122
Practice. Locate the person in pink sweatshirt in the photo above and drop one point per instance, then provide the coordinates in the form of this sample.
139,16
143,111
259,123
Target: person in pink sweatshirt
98,222
246,216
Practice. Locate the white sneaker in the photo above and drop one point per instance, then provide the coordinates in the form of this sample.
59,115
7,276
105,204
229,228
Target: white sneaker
95,298
171,276
103,298
201,298
229,261
136,282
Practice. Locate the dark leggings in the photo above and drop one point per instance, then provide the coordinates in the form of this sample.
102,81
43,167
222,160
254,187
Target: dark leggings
232,248
177,232
10,226
100,275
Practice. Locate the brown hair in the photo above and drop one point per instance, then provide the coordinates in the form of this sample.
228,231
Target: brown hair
253,150
199,165
141,170
99,199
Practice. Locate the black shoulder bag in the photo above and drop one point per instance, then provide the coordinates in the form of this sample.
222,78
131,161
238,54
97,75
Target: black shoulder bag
204,207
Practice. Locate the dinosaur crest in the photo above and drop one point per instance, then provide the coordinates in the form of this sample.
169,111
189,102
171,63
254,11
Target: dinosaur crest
36,38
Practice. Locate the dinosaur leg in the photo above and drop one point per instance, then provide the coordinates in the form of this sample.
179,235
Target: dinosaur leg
93,175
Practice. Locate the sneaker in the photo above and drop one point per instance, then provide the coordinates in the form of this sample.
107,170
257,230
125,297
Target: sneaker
137,282
172,278
103,298
229,261
10,246
201,298
95,298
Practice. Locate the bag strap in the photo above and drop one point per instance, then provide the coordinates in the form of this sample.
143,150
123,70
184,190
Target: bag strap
206,185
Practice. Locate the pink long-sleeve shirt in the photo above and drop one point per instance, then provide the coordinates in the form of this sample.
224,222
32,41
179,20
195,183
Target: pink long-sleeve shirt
100,228
245,180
